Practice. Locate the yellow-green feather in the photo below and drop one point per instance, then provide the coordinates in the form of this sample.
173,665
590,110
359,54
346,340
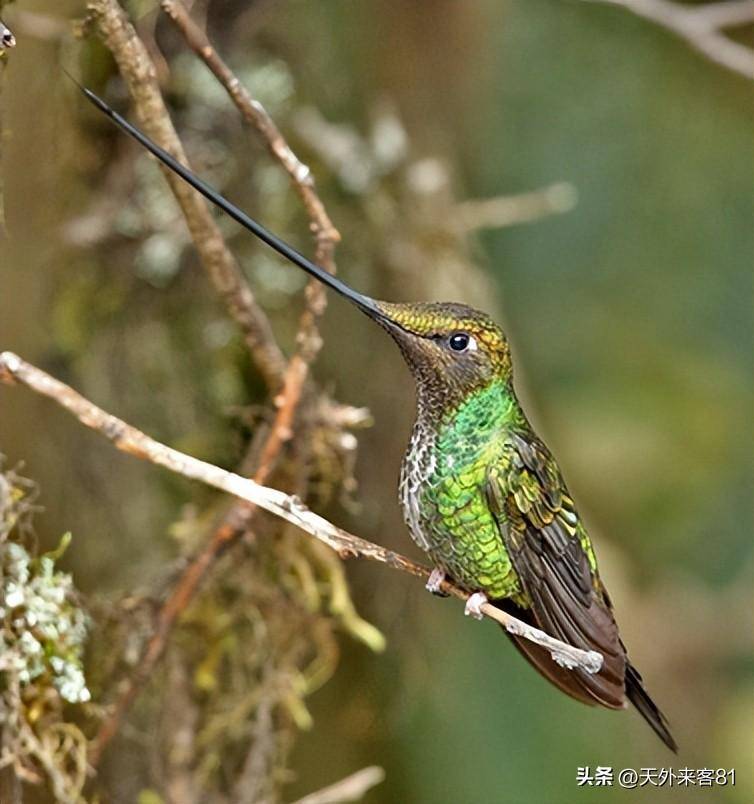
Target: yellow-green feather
464,536
477,445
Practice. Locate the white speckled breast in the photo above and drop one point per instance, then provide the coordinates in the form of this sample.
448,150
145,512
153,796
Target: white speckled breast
418,466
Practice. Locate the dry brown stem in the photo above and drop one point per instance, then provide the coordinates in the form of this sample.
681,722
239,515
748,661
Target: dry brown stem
291,382
138,72
325,234
256,115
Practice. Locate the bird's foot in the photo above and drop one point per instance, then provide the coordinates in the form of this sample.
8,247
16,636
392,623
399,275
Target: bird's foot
474,605
435,582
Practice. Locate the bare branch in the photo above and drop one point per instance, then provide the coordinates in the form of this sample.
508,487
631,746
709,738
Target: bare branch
701,26
291,385
508,210
728,14
132,441
325,234
139,73
256,774
352,788
255,115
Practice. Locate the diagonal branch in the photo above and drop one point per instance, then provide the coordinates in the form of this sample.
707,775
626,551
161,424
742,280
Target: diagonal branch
353,788
292,380
132,441
255,115
509,210
138,71
325,234
702,26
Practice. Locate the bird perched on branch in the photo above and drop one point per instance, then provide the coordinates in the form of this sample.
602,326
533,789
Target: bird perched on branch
481,493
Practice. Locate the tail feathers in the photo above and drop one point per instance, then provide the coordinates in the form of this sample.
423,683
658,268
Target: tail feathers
639,697
605,688
617,680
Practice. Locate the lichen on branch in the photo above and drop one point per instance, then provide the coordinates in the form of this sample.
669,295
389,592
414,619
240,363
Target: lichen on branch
43,631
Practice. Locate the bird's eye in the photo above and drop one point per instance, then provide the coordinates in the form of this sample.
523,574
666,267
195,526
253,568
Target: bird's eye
461,342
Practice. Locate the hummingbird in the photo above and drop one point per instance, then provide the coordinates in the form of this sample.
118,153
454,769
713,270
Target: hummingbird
481,493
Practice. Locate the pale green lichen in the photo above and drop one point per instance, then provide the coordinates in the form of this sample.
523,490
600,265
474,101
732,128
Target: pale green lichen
42,635
43,630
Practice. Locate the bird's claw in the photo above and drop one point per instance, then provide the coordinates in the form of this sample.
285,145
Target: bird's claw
435,582
474,605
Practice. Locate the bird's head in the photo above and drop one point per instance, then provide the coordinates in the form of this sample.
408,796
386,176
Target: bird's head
451,349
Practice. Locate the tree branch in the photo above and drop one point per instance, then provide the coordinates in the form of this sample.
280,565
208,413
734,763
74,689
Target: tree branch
509,210
132,441
352,788
138,71
291,384
326,235
701,26
255,115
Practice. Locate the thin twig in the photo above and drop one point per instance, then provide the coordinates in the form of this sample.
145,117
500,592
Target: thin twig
256,115
234,526
325,234
728,14
256,777
138,71
352,788
701,26
508,210
10,783
293,382
176,603
132,441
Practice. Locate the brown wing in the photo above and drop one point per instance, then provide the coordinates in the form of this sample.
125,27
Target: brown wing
550,552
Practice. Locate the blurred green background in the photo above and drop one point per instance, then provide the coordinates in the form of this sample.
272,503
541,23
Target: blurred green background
630,318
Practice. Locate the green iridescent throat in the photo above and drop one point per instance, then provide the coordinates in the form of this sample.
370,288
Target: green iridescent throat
465,538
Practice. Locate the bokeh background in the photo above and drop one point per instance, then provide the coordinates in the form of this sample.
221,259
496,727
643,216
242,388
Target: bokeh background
630,316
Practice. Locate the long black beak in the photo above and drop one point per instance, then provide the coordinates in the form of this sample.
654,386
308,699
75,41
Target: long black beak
365,303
